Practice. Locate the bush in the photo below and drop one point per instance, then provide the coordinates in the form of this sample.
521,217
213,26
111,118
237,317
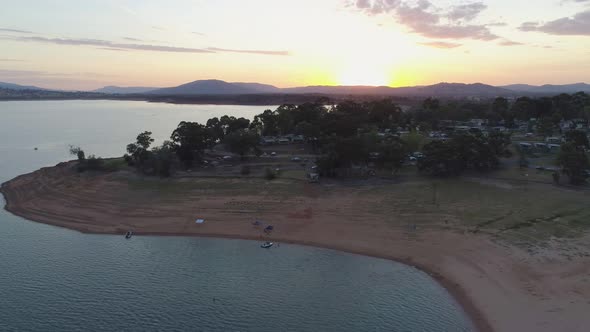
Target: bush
245,170
269,174
92,163
129,160
113,165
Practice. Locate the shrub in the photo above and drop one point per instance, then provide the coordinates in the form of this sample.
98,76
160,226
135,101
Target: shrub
94,163
129,160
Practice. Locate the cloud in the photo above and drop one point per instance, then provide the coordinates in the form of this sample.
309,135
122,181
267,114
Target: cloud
497,24
466,12
36,73
113,46
11,60
132,39
578,25
216,49
509,43
440,44
18,73
109,44
14,30
423,18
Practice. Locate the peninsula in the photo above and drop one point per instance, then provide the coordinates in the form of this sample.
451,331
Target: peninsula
508,240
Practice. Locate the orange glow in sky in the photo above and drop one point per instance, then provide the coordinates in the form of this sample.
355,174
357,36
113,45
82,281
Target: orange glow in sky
89,44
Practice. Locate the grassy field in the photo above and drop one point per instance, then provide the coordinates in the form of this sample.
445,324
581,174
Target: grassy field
524,213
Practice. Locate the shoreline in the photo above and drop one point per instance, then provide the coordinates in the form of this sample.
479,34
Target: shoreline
477,318
499,287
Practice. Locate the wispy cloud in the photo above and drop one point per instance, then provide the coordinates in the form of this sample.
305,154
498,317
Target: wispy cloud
109,44
11,60
497,24
132,39
37,73
216,49
440,44
113,46
509,43
577,25
14,30
423,18
20,73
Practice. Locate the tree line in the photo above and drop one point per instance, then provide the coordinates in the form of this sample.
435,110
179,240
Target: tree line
359,133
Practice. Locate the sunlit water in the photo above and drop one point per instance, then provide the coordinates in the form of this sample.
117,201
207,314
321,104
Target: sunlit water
53,279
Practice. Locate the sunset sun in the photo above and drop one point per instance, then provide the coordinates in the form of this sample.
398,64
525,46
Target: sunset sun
364,76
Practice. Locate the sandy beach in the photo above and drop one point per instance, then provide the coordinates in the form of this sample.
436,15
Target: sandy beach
501,286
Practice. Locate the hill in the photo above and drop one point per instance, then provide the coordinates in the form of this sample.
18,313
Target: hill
125,90
12,86
216,87
548,88
450,90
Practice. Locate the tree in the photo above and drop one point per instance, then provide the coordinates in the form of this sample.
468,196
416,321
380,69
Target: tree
524,108
574,163
392,154
578,138
216,129
78,152
545,126
139,150
500,143
162,159
440,159
267,123
500,105
461,152
242,142
431,104
414,141
190,140
230,124
384,113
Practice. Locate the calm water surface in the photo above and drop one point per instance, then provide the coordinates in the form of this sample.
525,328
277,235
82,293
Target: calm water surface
53,279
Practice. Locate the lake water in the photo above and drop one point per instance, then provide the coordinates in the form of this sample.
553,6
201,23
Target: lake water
53,279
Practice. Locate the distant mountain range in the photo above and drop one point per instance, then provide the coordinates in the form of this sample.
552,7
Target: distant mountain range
125,90
12,86
443,90
549,89
449,90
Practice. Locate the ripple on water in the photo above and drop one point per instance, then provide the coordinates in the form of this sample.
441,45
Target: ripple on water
69,281
53,279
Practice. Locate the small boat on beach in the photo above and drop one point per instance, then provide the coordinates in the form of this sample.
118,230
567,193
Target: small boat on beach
266,245
128,235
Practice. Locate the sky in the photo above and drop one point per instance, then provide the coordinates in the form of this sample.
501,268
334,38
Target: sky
87,44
